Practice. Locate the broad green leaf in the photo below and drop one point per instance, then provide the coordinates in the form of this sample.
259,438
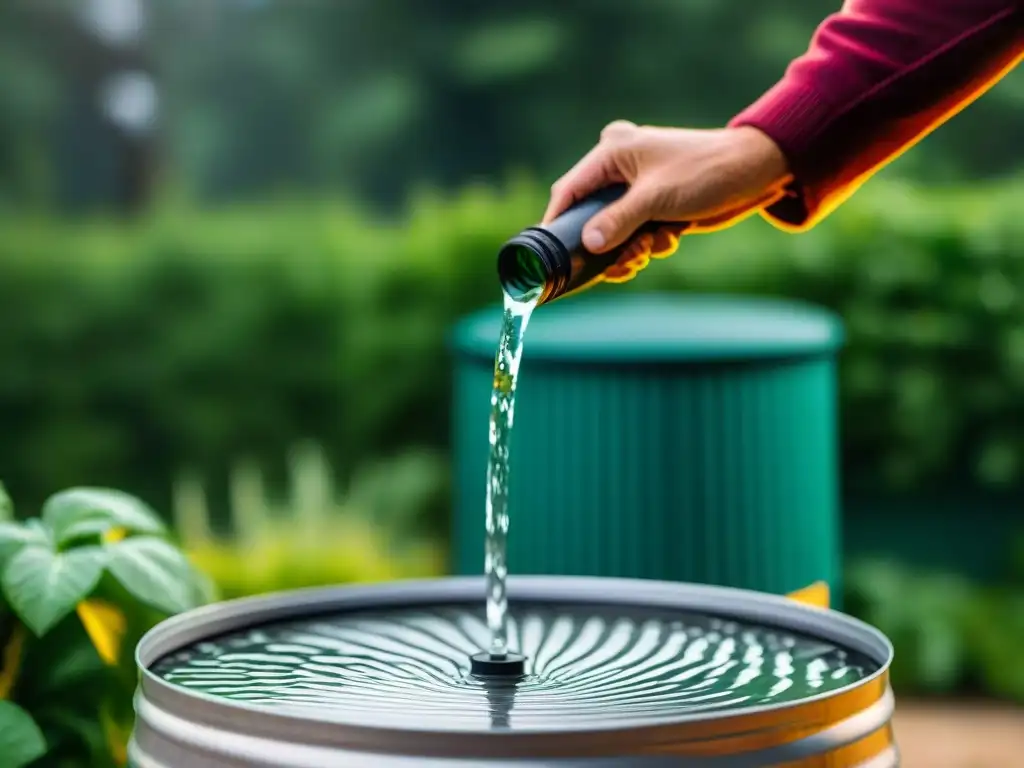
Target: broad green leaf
74,733
62,669
43,586
76,669
80,512
155,572
90,528
21,741
6,505
14,536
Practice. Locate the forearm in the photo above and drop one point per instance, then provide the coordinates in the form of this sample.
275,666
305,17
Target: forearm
878,77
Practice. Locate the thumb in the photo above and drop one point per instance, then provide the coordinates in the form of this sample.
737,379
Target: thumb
612,226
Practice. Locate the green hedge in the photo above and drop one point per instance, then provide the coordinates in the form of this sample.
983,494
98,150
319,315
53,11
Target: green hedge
190,338
951,636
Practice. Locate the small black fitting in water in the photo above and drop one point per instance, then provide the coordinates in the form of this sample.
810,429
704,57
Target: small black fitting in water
551,259
485,664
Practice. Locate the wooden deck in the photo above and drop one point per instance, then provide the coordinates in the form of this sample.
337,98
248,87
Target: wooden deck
959,735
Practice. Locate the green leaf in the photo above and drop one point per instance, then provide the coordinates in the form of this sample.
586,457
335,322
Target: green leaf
155,572
21,741
80,512
76,736
43,586
14,536
72,669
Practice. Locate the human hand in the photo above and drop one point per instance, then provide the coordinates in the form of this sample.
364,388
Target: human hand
707,179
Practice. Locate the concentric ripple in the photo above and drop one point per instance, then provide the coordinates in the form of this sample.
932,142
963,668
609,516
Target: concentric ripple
587,667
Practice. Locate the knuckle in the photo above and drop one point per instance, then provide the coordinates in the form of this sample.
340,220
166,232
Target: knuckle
617,129
611,221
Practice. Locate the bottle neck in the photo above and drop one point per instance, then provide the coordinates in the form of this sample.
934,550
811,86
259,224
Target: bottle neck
534,259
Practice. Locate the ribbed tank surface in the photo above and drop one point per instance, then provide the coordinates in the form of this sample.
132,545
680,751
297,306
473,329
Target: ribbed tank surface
688,438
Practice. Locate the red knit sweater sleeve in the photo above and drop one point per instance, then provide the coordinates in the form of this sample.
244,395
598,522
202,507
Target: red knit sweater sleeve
878,77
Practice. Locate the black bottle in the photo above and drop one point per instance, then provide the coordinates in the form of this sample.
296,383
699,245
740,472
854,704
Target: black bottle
552,258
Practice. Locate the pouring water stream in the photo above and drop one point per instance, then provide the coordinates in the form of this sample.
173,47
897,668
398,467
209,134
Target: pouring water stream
516,316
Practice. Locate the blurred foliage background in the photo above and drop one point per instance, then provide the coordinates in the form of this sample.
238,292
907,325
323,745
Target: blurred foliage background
234,235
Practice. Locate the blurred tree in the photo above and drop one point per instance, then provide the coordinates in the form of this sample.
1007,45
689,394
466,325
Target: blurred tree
76,102
260,97
30,90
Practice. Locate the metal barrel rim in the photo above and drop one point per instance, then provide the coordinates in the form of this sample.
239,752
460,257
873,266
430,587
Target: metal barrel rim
792,727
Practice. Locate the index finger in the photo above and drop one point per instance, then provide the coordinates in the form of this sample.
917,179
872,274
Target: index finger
595,170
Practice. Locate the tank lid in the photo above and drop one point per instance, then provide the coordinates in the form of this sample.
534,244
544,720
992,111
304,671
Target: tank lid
661,327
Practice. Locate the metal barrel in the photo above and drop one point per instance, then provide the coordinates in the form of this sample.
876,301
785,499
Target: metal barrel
189,725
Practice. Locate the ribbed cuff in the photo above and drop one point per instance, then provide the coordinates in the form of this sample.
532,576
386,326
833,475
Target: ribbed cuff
794,116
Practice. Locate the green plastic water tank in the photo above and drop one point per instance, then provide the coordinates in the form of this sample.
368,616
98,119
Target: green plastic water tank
666,436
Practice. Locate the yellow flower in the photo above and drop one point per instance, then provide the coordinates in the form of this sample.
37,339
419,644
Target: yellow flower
105,624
